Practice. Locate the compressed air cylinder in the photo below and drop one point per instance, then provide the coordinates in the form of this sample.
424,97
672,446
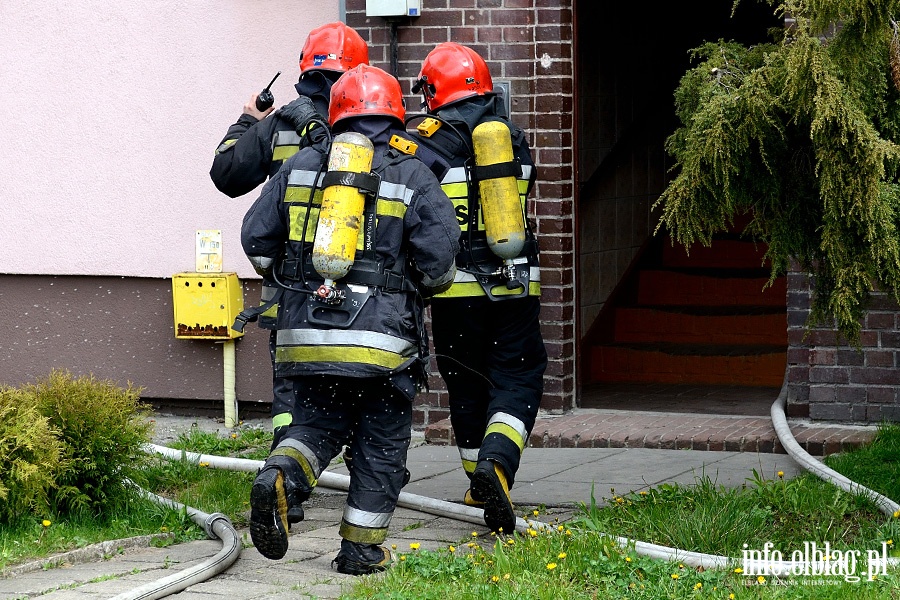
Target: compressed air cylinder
501,207
341,214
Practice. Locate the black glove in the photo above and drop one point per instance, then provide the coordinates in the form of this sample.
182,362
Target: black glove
299,112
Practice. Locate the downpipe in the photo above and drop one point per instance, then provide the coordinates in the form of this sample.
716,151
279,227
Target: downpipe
474,515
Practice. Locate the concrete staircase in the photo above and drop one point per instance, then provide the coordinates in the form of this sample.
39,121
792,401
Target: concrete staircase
701,318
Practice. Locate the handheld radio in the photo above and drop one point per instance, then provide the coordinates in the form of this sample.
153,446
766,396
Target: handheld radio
265,100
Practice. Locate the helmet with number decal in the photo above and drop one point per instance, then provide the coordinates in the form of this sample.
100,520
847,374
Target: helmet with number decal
333,47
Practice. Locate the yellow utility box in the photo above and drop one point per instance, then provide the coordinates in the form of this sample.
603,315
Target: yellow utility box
206,305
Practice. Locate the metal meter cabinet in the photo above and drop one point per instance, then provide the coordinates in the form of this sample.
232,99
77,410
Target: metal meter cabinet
206,305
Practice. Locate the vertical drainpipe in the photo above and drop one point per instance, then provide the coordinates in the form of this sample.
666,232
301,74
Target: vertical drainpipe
229,392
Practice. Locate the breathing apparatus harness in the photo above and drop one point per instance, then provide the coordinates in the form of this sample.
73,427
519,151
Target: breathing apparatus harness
347,281
478,256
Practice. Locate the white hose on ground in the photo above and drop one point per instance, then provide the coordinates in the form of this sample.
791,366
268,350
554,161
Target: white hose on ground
805,460
694,559
217,526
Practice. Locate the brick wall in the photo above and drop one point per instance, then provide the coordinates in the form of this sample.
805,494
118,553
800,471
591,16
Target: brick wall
830,380
527,43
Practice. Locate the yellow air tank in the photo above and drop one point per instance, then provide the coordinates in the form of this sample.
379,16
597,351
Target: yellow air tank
501,207
341,214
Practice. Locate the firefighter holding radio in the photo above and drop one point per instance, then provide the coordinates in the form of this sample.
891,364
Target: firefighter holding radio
356,232
255,147
486,327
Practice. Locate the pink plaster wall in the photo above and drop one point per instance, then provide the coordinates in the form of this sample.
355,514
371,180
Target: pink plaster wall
112,113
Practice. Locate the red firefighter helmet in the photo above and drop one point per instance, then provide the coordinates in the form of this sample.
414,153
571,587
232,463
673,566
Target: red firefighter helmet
452,72
333,47
365,90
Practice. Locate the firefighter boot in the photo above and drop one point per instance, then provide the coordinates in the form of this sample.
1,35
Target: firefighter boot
274,504
489,485
361,559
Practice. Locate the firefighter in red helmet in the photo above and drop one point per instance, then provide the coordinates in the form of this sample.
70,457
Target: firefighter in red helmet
255,147
486,327
351,333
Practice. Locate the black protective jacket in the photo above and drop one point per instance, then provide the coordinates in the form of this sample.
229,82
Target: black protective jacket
253,150
379,328
476,264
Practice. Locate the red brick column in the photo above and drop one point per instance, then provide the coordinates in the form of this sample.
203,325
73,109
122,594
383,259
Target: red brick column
527,43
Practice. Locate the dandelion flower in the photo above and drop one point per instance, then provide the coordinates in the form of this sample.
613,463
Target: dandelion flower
568,532
890,542
393,546
202,464
897,514
495,578
730,596
510,542
452,548
643,492
560,528
474,534
234,436
761,579
698,585
739,570
561,555
163,528
627,559
506,576
780,474
551,566
532,533
535,512
402,557
415,545
45,523
674,575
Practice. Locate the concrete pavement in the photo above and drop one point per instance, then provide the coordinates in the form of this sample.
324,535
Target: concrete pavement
556,479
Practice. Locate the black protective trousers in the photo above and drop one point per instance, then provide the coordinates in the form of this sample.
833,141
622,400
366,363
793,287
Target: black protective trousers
371,415
492,357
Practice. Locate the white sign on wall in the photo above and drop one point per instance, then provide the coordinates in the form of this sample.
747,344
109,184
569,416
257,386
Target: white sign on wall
209,251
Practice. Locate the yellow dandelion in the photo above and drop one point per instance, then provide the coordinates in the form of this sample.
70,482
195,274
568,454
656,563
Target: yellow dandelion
761,579
631,586
568,532
506,576
897,514
452,548
730,596
234,436
561,555
495,578
163,528
560,528
415,545
643,492
402,557
698,585
551,566
532,533
393,546
45,523
680,566
739,570
674,575
780,474
202,464
471,544
890,542
627,559
510,542
535,512
474,534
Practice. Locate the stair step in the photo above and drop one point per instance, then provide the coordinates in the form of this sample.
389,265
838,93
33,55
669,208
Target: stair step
756,365
707,325
723,253
657,287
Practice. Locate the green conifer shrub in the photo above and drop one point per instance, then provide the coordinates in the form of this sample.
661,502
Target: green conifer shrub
802,136
103,427
30,457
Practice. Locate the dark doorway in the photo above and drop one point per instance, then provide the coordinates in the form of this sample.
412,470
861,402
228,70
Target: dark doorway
629,60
